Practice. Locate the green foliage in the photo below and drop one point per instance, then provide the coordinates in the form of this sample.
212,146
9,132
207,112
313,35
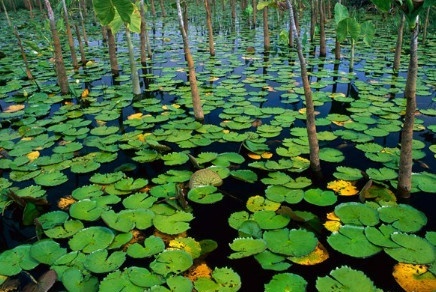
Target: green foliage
345,279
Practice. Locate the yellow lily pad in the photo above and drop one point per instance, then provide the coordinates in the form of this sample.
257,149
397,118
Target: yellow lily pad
318,255
414,277
343,188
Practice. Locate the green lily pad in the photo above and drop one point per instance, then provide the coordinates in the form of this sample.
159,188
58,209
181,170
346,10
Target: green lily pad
245,247
13,261
139,201
286,281
347,173
351,240
223,279
272,261
267,219
319,197
357,214
331,155
173,224
175,158
345,279
381,236
67,229
91,239
50,179
244,175
87,192
281,194
52,219
204,177
47,251
425,181
152,246
130,184
99,261
171,262
413,249
86,209
204,195
403,217
74,280
290,242
381,174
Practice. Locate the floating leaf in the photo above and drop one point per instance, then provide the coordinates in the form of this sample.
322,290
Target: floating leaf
50,179
381,174
86,210
381,236
347,173
91,239
343,188
204,177
286,282
173,224
152,246
130,184
319,197
267,219
319,255
258,203
345,279
244,247
357,214
74,280
414,277
244,175
47,251
403,217
290,242
272,261
99,262
175,158
413,249
171,262
204,195
13,261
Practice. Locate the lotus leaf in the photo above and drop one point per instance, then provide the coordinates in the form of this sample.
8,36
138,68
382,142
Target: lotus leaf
357,214
174,176
139,201
204,177
142,277
179,284
74,280
103,201
173,224
244,175
319,197
152,246
245,247
175,158
99,262
286,282
272,261
130,184
259,203
126,220
91,239
86,210
295,242
270,220
345,279
206,157
204,195
347,173
281,194
351,240
413,249
120,281
47,251
84,164
171,262
14,260
236,219
381,236
403,217
86,192
331,155
49,179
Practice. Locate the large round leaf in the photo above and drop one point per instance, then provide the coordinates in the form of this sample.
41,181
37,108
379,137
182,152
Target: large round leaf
14,260
286,282
403,217
357,214
171,262
74,280
91,239
152,245
204,195
413,249
47,251
319,197
99,261
86,210
173,224
244,247
345,279
267,219
295,242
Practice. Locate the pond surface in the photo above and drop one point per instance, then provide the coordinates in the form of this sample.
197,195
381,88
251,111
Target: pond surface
254,109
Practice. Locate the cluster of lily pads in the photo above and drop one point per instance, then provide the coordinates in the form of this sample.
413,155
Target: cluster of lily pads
129,229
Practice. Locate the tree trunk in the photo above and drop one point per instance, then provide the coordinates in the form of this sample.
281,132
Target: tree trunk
313,17
426,23
266,41
70,36
82,22
142,35
30,7
233,8
82,51
196,102
406,161
185,16
209,28
254,4
6,13
162,8
136,88
337,49
322,45
399,45
153,9
112,47
310,109
59,61
82,5
23,55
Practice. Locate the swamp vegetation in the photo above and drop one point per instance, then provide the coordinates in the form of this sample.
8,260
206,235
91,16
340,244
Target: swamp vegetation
171,152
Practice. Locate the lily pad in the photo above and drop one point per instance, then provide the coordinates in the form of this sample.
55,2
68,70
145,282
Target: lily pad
91,239
173,224
295,242
319,197
100,262
171,262
345,279
403,217
204,195
286,281
413,249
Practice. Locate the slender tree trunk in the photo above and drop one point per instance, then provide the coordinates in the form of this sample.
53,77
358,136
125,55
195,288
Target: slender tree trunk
104,33
266,41
337,49
153,9
162,8
209,28
23,55
233,8
112,47
322,41
185,16
142,35
59,61
399,45
82,51
196,102
353,44
39,5
406,161
426,23
70,36
136,88
14,7
6,13
83,7
310,109
82,22
313,17
29,3
254,4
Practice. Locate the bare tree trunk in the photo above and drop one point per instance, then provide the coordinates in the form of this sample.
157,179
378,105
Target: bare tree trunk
337,49
59,60
233,8
112,47
310,109
82,22
406,161
30,7
162,8
426,23
209,28
196,102
142,35
82,6
254,4
399,45
266,41
153,9
23,55
322,41
185,16
313,17
136,88
70,36
6,13
82,51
